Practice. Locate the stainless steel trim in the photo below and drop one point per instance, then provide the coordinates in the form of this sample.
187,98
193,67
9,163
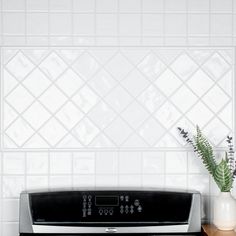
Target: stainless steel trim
25,224
111,230
97,230
195,214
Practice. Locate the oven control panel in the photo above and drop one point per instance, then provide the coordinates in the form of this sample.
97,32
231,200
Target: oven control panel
108,205
118,207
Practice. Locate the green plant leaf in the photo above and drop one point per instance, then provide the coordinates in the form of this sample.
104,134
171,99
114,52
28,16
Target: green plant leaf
205,151
223,176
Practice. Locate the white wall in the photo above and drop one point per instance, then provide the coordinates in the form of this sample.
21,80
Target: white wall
149,66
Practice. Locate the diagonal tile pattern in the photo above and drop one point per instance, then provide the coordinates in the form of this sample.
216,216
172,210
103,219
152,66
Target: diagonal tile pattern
114,97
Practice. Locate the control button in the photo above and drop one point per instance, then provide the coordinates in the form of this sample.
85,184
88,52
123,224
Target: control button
140,209
136,202
126,207
131,207
84,212
121,211
122,198
89,212
84,204
126,211
100,212
131,211
89,204
84,197
111,212
121,207
106,212
126,198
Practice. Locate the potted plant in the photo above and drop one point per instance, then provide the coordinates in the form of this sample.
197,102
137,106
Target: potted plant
223,174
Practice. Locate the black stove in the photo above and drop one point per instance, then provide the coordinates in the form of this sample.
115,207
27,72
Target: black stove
110,211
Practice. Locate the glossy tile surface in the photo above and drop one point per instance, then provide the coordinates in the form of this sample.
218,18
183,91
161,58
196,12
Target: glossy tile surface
114,97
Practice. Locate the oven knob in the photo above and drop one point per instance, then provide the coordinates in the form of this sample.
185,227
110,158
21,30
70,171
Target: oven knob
89,212
84,197
122,198
136,202
126,211
121,211
111,212
106,212
100,212
89,198
131,211
140,209
126,198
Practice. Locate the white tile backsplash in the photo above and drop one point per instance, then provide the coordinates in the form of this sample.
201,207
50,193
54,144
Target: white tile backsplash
92,92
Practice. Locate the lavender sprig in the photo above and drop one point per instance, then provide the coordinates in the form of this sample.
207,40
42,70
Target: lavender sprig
231,159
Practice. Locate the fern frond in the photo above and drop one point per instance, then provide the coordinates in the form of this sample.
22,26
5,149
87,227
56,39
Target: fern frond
223,176
205,151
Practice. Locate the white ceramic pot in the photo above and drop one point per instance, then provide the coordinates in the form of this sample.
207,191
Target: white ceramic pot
225,211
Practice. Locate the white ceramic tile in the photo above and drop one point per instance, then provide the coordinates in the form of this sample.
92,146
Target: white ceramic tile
198,5
135,115
176,5
221,24
151,131
176,162
198,24
219,6
36,182
13,5
60,24
98,104
199,183
102,115
106,24
153,5
153,25
130,162
37,24
151,98
60,163
195,164
83,6
84,163
153,163
37,163
130,181
35,5
10,210
107,6
106,181
107,163
70,115
128,25
13,163
130,5
60,5
118,131
176,181
175,24
83,181
153,181
10,229
179,98
83,24
12,186
60,181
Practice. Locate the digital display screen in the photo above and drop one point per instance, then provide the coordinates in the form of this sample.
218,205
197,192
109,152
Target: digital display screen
106,201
